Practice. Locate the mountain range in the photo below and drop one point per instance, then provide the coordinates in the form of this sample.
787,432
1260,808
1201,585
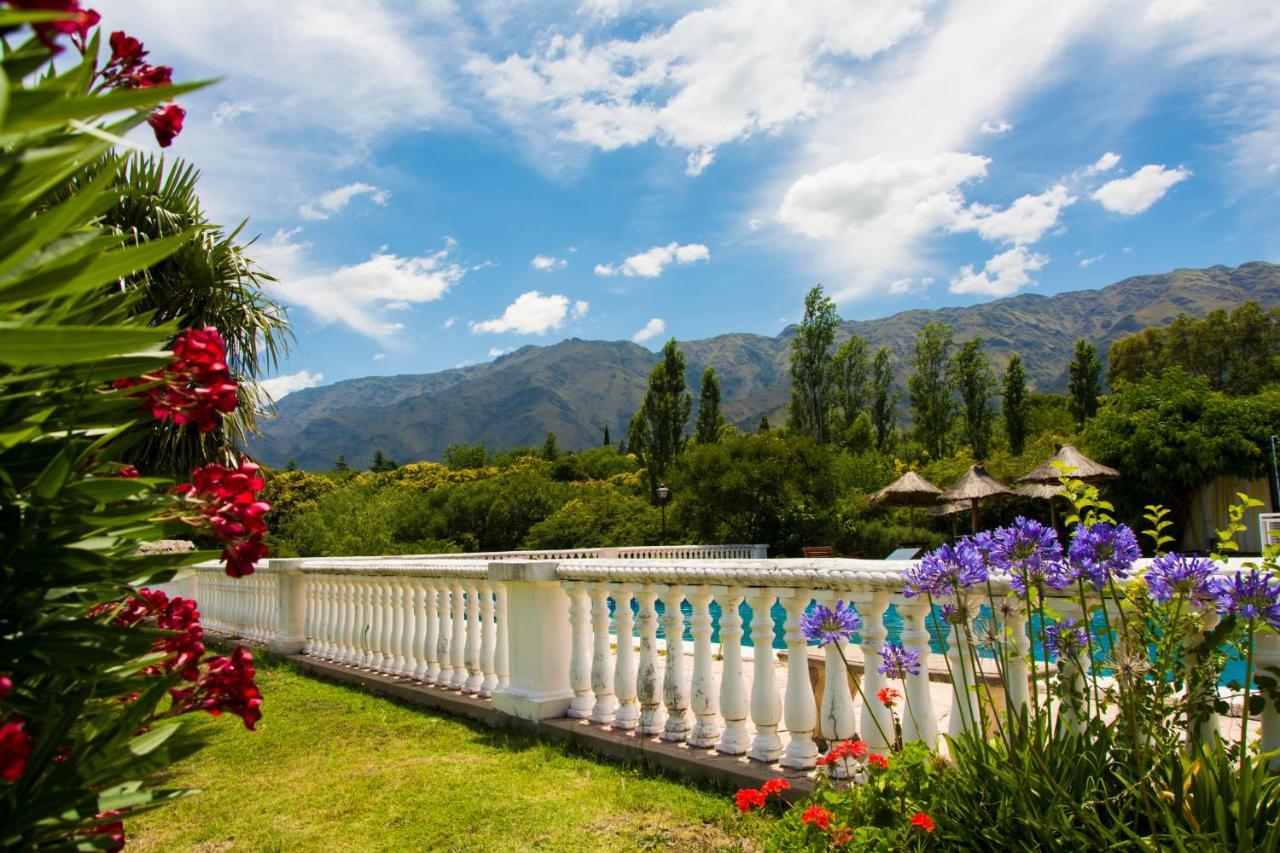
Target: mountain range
576,387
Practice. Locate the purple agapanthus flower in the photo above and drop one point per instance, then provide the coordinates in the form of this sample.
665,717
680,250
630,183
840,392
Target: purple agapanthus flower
1067,638
1030,553
1176,575
1103,551
898,661
825,625
1250,596
946,570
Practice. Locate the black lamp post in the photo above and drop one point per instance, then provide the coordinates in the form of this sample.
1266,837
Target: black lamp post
663,494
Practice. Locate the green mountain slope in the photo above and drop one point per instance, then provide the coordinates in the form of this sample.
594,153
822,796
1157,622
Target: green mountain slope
576,387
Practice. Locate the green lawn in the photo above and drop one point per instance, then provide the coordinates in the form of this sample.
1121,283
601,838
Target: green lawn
332,767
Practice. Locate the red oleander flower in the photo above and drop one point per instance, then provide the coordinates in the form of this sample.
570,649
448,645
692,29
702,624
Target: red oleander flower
114,830
77,26
167,123
817,816
226,685
185,648
6,686
888,696
126,51
774,786
195,388
750,798
876,761
232,511
15,749
128,472
922,821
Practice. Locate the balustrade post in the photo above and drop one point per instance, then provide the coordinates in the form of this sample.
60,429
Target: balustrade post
348,636
395,649
291,601
1207,728
580,653
624,674
458,644
488,641
918,719
704,692
1267,655
1071,670
418,647
444,640
965,707
877,720
1017,654
733,685
378,614
538,640
653,716
320,647
475,673
502,653
606,704
766,708
800,711
675,686
309,643
837,719
430,639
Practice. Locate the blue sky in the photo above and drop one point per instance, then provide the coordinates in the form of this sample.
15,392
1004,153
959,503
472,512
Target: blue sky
435,183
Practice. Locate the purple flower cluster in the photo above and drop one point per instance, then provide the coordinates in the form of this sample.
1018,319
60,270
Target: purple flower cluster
947,570
1175,575
825,625
1250,596
1067,638
1102,552
897,661
1030,553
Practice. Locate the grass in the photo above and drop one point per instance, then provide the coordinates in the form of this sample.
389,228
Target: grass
333,767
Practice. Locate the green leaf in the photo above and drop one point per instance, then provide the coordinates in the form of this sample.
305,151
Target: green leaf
34,108
30,346
145,743
108,489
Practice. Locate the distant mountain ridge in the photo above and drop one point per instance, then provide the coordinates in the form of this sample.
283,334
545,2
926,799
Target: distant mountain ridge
575,387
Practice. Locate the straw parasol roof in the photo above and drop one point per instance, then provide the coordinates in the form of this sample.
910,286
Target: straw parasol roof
940,510
1039,491
1081,468
973,487
908,490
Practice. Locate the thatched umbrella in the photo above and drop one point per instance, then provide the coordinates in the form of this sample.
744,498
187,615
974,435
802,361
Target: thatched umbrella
909,490
1045,482
952,510
975,486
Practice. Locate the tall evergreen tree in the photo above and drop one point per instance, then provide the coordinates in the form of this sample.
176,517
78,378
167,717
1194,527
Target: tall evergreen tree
764,425
706,429
932,406
656,434
851,373
811,373
550,448
606,435
971,375
340,464
884,402
382,463
291,464
1083,382
1014,405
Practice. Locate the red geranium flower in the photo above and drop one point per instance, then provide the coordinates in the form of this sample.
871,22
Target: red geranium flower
167,123
817,816
843,751
888,696
877,761
750,798
774,786
15,749
923,821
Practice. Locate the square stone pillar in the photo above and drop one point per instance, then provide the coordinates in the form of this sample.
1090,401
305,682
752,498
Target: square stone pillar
538,639
291,608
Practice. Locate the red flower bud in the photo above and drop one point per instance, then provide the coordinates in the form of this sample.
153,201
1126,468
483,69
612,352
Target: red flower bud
167,123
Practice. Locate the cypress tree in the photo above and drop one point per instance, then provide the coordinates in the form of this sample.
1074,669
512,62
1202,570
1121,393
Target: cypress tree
1083,381
656,434
850,375
884,402
550,448
706,429
971,375
811,373
1014,406
764,425
606,435
932,406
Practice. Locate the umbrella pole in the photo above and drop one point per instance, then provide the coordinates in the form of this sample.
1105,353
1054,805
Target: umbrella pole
912,516
1053,515
974,504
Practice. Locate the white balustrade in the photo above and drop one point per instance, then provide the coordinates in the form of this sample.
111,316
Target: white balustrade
799,711
675,685
837,719
876,723
704,694
919,721
624,673
606,703
653,716
734,740
580,653
475,673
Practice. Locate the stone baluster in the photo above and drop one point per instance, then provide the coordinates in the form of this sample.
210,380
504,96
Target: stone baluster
368,622
606,704
396,608
431,642
965,706
1017,652
348,633
253,589
323,641
502,652
1072,670
266,607
766,708
309,643
444,641
390,612
704,692
877,720
1208,726
377,613
580,651
837,719
800,711
1266,656
405,670
624,673
475,672
653,716
733,685
458,644
918,720
420,616
675,685
488,641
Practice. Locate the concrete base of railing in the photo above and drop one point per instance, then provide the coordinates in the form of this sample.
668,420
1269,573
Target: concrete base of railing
539,639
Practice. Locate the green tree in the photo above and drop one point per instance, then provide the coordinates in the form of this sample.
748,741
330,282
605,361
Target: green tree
811,370
606,435
382,463
884,400
763,426
932,405
1082,381
656,434
461,457
707,428
597,518
970,374
1015,406
851,375
550,448
291,464
340,464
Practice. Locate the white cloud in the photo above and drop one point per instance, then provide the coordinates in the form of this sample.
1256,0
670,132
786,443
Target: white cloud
335,200
699,160
1106,163
580,309
1025,221
531,314
546,263
354,294
227,110
909,286
494,352
449,321
281,386
995,128
1004,274
1137,192
651,329
651,263
1085,263
379,356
